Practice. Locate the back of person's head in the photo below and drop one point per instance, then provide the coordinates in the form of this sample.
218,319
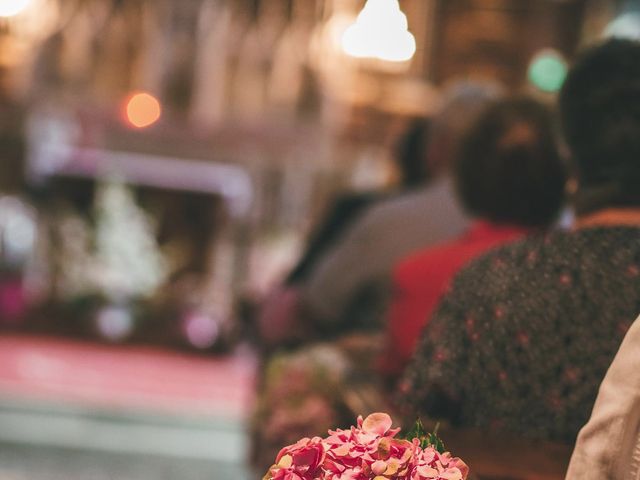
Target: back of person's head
600,110
411,153
508,169
461,104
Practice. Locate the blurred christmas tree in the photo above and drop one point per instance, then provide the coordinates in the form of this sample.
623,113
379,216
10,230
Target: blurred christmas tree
128,263
128,259
107,267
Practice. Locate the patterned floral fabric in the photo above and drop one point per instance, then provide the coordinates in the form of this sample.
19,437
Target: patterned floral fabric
527,333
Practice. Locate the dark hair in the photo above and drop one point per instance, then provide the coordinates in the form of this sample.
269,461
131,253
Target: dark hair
600,112
508,168
411,154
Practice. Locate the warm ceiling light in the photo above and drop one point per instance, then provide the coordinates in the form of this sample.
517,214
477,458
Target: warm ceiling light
380,32
142,109
9,8
626,25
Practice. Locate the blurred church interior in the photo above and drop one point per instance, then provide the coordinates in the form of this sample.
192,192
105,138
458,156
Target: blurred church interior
162,163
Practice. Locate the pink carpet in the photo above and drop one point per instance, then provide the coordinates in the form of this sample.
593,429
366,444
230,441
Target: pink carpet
103,376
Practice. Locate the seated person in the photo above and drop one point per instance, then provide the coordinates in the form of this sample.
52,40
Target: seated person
323,385
509,175
609,445
409,157
347,289
279,312
527,332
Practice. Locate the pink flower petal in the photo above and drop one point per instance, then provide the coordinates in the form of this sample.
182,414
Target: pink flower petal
378,423
379,467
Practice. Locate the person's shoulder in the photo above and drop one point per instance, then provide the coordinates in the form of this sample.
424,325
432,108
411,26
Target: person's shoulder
540,253
570,246
416,202
507,261
399,202
426,259
386,212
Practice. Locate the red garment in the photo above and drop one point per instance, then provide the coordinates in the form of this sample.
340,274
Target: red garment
421,279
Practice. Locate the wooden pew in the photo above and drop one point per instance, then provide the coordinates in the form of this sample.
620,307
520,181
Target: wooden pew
505,457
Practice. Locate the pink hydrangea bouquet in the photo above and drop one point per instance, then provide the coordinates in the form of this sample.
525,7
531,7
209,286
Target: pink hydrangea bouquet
368,451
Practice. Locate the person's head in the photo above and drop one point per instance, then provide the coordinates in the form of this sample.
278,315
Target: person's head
508,169
461,104
411,152
600,112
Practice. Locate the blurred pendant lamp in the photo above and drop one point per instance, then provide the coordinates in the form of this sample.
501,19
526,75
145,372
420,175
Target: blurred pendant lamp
380,32
626,25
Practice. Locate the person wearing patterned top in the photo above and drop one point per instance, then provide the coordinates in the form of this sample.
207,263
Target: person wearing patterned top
525,335
514,139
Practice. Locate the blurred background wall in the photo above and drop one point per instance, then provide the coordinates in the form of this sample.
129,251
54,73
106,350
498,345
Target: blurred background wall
231,123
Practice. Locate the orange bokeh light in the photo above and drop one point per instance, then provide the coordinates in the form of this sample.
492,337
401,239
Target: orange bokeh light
142,109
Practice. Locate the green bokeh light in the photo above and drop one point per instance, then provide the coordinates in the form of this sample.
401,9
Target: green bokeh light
547,71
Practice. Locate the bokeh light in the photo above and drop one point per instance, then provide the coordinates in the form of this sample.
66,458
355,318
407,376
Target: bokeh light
626,25
201,330
548,70
10,8
142,109
381,32
114,323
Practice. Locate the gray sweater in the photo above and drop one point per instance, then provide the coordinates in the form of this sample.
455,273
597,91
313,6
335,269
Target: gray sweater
383,235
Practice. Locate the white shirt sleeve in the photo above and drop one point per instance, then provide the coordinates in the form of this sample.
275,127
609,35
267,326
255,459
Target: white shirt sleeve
608,446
